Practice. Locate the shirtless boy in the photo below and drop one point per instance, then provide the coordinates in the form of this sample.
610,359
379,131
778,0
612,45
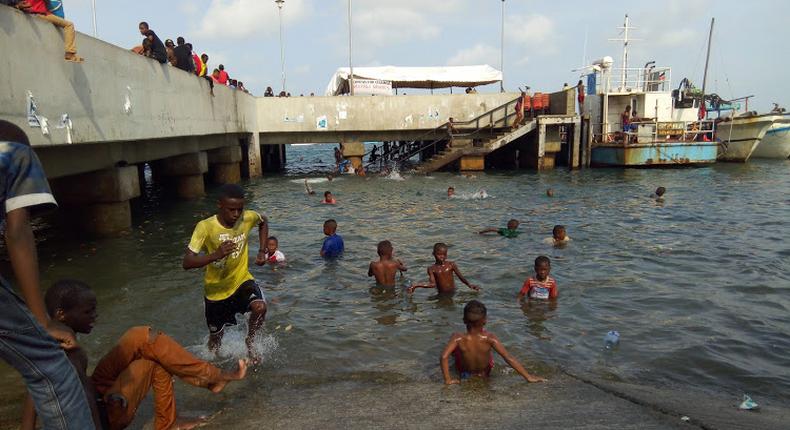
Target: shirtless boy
472,350
387,267
441,275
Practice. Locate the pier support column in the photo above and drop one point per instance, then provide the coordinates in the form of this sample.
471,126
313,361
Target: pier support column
472,163
98,202
354,151
253,166
224,165
185,174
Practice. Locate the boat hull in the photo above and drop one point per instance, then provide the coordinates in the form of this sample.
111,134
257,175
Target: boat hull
775,143
655,154
741,136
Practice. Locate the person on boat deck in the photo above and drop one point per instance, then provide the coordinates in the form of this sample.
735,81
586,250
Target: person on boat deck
627,120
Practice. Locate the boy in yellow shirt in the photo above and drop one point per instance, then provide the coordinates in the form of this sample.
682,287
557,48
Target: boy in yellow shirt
219,243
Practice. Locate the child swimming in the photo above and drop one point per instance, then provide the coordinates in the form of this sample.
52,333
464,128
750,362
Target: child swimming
387,267
510,232
329,199
441,275
273,255
541,286
473,350
558,236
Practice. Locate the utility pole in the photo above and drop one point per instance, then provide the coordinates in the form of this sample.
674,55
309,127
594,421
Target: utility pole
350,52
707,58
282,48
93,12
502,51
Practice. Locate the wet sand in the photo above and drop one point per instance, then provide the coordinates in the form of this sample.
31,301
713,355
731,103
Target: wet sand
504,403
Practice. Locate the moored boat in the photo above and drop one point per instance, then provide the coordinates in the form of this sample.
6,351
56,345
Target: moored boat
776,142
740,136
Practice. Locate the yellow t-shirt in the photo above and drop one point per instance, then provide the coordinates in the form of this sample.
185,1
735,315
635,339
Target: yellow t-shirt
224,276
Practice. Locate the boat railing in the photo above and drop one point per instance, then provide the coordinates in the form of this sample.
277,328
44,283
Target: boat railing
646,132
631,79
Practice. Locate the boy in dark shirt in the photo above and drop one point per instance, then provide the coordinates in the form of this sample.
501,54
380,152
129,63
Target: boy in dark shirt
441,275
387,267
472,350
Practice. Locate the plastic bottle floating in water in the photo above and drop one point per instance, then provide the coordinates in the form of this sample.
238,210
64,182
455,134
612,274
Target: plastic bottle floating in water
611,340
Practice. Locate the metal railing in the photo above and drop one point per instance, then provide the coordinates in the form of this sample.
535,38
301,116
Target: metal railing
660,132
651,79
475,128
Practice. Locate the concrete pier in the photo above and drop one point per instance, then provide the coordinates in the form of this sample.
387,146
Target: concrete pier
223,165
98,202
184,174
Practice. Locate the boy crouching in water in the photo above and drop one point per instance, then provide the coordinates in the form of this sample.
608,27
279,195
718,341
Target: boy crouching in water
141,360
472,350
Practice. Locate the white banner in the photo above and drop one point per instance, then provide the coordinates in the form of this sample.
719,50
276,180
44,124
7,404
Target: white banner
367,87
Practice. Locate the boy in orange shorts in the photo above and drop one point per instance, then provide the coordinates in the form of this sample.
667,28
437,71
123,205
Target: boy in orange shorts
141,360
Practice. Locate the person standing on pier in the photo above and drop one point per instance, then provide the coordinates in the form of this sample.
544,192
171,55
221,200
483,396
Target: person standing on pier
580,96
219,243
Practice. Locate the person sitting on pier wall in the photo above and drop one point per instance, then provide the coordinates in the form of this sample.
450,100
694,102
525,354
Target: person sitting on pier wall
170,47
39,9
158,51
183,55
269,92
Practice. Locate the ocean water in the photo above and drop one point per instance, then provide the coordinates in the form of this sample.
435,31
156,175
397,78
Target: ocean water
698,285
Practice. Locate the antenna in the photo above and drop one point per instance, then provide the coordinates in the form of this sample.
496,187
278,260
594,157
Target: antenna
624,31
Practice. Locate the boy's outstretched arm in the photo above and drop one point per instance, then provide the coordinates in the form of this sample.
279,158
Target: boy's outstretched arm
263,236
431,283
402,267
461,277
370,269
21,246
500,349
445,358
489,230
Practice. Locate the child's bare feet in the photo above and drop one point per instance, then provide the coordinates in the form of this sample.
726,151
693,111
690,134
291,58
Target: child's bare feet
237,375
183,423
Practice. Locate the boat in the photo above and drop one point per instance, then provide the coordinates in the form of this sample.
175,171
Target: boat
741,135
665,130
776,142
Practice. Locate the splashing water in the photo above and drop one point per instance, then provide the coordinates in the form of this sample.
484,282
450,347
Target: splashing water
395,175
479,195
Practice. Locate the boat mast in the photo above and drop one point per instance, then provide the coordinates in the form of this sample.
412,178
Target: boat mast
625,53
707,59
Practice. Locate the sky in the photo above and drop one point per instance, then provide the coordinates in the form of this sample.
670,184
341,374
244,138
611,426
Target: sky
544,40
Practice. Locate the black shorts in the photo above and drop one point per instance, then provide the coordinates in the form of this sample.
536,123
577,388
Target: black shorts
222,313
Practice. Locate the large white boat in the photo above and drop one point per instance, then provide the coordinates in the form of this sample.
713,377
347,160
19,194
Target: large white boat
659,129
741,135
776,142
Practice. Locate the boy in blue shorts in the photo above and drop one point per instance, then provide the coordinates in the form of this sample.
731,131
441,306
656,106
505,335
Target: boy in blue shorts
219,243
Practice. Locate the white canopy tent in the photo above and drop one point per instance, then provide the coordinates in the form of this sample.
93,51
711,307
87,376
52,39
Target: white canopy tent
416,77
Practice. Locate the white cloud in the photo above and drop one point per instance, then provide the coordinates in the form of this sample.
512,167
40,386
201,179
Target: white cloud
239,19
379,23
481,53
677,38
531,31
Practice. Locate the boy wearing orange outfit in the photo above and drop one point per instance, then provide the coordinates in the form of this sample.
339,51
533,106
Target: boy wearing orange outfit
140,361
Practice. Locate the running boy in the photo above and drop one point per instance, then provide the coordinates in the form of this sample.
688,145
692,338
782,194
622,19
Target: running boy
329,199
510,232
387,267
141,360
442,274
229,286
542,286
333,243
472,350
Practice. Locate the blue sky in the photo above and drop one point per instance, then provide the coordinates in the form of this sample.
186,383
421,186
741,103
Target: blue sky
544,41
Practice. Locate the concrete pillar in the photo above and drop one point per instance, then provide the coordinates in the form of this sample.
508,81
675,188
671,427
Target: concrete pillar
576,144
254,165
224,165
185,174
98,202
353,151
473,163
